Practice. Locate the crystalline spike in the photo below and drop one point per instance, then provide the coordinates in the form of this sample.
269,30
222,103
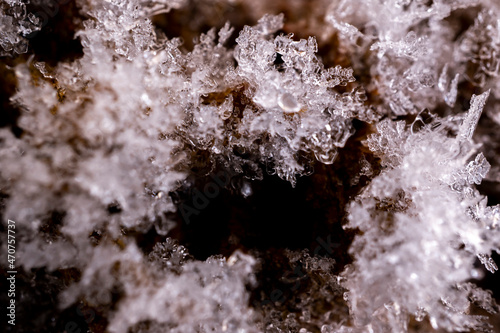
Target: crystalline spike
225,32
451,96
443,78
471,119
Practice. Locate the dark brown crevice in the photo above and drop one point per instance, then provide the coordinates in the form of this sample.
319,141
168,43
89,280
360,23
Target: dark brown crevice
56,41
277,218
275,215
8,82
37,300
51,225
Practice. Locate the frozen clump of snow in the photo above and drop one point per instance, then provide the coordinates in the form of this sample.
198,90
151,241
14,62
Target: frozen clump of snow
271,109
85,141
103,134
415,221
478,48
171,292
411,46
209,295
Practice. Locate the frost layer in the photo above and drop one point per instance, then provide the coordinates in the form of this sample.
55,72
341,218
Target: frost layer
106,138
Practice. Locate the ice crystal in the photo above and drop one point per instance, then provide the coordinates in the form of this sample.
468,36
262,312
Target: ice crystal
449,96
169,255
16,24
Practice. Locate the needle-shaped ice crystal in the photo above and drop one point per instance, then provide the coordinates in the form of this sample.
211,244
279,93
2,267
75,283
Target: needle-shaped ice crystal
472,118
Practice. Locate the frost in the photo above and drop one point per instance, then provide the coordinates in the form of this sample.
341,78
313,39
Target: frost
287,106
477,170
169,255
213,289
478,48
97,147
387,143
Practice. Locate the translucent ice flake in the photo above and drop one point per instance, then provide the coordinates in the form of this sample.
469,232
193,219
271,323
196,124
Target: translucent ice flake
269,24
155,7
389,141
479,47
443,79
451,96
492,216
480,297
225,33
326,156
450,90
348,31
477,169
169,255
473,173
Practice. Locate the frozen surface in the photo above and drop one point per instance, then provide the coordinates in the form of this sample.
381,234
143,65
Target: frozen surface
106,138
